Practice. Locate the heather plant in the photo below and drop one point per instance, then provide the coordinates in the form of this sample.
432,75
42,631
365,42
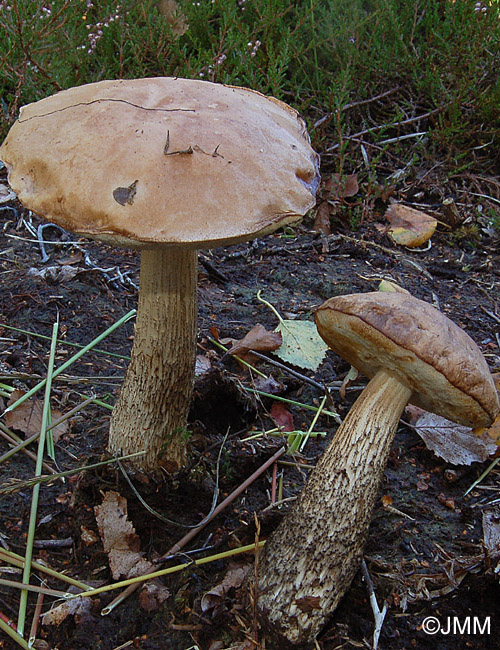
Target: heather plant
441,58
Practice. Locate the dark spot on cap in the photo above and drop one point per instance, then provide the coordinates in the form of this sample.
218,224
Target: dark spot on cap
124,195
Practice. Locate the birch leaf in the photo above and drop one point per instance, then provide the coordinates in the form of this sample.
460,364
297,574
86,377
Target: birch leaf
301,344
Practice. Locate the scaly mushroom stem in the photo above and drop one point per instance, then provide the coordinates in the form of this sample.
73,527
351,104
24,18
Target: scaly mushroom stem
309,562
151,410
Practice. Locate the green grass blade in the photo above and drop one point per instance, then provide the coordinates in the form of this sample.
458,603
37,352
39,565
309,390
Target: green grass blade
36,489
72,360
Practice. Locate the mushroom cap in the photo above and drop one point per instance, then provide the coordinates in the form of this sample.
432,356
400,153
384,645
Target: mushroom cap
94,159
419,345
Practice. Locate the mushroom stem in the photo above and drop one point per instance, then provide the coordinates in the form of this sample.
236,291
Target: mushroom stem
310,560
151,411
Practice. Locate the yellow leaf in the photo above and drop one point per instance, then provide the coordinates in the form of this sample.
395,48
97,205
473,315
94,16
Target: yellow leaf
409,227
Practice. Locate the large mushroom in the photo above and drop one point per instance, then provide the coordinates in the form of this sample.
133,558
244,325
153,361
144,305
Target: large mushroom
167,166
412,353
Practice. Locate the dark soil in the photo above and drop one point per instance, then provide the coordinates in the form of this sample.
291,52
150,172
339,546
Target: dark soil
425,555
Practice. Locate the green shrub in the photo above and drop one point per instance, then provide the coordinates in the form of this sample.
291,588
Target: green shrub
438,56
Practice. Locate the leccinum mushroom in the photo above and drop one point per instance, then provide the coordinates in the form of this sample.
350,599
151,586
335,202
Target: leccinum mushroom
166,166
412,353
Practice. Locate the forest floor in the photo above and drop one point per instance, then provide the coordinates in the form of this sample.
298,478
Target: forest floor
427,551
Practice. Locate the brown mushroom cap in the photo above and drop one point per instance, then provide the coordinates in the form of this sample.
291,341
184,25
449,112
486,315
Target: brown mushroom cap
418,344
95,160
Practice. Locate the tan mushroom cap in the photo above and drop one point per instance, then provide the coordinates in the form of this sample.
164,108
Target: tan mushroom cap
95,160
418,344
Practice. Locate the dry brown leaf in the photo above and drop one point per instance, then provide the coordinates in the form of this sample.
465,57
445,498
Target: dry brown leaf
343,186
322,219
152,596
27,417
233,579
202,366
493,431
76,606
258,339
491,532
351,376
119,538
282,417
453,442
88,536
409,227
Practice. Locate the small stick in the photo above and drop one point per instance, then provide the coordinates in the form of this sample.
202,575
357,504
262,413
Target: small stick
36,617
378,615
374,129
290,371
273,483
14,440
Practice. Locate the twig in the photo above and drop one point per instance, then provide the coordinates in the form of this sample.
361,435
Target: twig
374,129
490,314
361,102
36,617
308,407
378,615
15,441
288,370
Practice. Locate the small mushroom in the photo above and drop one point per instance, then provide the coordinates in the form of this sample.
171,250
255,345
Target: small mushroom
412,353
167,166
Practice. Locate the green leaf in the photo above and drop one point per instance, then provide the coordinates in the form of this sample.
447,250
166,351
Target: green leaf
301,344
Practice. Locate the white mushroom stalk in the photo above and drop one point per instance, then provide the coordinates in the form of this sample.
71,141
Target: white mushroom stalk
412,352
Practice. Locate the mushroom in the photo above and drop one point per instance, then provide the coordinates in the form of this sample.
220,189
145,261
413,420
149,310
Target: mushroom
167,166
412,353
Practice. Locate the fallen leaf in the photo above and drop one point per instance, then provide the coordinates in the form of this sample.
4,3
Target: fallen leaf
152,596
282,417
59,274
449,502
6,194
301,344
88,536
257,339
491,532
493,431
453,442
343,186
119,538
351,376
27,417
322,219
409,227
74,606
202,365
233,579
390,287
